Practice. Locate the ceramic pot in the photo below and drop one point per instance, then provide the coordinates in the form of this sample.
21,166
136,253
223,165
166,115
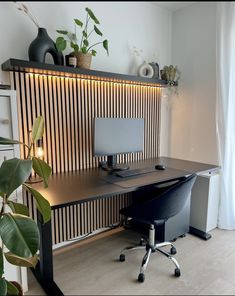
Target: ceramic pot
83,60
146,70
42,45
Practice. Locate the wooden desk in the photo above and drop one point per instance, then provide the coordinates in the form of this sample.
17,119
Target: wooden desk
76,187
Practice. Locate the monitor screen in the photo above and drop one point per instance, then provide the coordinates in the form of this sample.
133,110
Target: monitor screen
118,135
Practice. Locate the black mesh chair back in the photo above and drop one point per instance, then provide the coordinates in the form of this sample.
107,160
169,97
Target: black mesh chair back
164,206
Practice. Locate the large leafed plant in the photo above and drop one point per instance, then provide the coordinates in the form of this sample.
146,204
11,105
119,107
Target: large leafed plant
87,28
19,233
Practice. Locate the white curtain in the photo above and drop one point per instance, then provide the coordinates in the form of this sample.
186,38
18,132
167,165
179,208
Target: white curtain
225,112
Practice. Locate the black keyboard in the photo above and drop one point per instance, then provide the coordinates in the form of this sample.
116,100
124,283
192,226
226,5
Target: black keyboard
134,172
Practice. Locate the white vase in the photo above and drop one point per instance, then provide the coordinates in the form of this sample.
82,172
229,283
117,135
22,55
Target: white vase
135,64
146,70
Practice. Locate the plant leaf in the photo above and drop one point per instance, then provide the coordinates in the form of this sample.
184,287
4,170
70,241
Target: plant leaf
5,141
74,46
60,44
42,204
1,263
72,37
84,34
19,261
13,173
92,16
62,32
20,234
38,129
3,287
93,52
105,45
84,49
42,169
85,42
78,22
18,208
12,289
98,31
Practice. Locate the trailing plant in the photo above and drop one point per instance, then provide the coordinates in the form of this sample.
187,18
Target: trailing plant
18,232
87,30
171,74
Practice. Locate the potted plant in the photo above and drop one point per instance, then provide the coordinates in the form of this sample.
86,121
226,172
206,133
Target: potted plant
172,76
83,50
18,232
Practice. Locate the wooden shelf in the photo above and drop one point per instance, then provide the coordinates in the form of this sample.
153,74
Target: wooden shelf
16,65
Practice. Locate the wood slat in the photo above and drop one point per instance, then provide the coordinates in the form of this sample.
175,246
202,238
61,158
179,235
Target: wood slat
68,106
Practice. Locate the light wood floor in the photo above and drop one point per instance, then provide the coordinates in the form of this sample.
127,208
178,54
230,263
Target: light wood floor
92,268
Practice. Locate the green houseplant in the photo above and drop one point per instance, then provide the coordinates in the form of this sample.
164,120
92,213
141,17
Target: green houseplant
172,76
83,48
19,233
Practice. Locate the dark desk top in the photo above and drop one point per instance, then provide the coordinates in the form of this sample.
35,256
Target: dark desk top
186,165
80,186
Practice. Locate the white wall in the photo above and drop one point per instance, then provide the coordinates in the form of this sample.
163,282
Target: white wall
124,24
188,120
192,132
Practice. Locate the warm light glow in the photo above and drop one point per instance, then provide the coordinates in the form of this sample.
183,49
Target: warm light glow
39,152
101,80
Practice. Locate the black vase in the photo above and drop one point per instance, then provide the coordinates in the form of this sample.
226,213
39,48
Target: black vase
42,45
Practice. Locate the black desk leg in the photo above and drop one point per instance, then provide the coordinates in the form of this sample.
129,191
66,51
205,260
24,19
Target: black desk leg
44,269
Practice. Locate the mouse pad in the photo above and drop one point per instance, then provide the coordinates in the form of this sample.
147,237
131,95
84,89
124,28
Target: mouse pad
146,179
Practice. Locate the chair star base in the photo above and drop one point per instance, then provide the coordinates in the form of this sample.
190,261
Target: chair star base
150,248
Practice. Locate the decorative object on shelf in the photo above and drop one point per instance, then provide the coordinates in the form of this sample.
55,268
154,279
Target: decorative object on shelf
71,60
22,7
171,74
155,70
19,233
136,61
84,48
83,60
42,44
146,70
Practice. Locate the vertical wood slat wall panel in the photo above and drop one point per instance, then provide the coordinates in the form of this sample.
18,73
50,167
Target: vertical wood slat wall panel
68,106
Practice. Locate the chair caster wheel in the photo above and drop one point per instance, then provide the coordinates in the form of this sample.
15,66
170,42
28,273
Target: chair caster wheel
177,272
141,278
122,258
173,251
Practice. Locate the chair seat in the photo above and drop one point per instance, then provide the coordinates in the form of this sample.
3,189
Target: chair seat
128,212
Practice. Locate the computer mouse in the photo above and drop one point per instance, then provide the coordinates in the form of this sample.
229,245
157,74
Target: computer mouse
160,167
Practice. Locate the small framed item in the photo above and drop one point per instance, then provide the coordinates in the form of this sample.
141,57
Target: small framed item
146,70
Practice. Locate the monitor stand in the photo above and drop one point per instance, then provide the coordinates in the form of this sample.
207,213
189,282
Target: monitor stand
112,165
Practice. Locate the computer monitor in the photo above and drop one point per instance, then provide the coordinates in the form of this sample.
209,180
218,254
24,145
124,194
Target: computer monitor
113,136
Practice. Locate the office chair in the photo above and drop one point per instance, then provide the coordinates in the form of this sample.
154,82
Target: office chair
155,211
